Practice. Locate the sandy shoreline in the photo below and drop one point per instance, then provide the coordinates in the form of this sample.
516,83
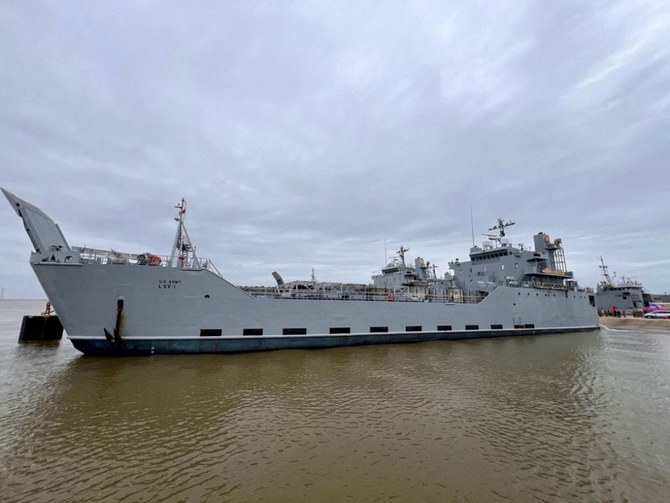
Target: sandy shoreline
630,322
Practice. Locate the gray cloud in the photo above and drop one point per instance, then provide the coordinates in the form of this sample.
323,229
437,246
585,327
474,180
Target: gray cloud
306,135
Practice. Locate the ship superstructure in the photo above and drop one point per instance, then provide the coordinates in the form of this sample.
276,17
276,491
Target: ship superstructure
113,303
419,282
499,262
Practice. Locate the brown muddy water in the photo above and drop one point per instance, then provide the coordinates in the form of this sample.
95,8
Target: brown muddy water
570,417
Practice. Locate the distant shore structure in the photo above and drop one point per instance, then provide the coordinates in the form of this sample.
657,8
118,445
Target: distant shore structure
2,294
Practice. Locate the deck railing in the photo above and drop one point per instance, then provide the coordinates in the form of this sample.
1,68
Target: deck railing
375,294
113,257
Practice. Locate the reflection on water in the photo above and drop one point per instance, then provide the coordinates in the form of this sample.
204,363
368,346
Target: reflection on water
570,417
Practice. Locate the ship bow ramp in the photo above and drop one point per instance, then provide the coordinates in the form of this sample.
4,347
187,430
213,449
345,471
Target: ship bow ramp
44,233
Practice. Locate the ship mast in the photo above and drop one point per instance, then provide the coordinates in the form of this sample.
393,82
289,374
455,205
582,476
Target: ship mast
501,227
182,242
401,254
602,265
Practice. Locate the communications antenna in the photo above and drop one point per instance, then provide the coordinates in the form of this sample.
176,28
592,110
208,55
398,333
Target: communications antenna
472,227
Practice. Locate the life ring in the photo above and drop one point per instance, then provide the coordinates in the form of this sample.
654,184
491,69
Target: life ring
390,297
155,260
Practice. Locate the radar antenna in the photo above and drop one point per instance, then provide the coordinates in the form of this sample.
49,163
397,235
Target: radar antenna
491,237
501,227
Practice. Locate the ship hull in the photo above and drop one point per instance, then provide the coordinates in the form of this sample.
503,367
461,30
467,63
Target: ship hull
166,310
140,347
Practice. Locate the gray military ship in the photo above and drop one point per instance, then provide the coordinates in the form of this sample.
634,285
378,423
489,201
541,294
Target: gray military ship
624,296
113,303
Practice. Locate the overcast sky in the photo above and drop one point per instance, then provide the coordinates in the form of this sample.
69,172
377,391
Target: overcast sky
309,134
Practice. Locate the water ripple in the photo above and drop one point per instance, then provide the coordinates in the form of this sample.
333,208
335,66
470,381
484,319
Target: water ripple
570,417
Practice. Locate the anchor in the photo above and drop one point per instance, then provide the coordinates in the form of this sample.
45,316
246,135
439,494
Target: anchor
116,338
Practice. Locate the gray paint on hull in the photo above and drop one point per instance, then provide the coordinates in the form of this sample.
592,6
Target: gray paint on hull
85,297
